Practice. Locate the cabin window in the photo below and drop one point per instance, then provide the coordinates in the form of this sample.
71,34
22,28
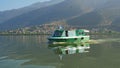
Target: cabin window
58,33
81,33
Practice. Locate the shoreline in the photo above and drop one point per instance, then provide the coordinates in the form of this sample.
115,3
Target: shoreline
10,34
21,34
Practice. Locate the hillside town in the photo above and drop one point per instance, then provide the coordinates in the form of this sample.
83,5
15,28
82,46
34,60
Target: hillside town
49,28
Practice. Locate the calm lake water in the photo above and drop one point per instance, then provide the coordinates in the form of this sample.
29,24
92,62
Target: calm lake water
33,52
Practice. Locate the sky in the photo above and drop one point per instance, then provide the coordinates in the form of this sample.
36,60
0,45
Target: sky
14,4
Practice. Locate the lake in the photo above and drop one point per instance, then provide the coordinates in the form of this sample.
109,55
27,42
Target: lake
33,52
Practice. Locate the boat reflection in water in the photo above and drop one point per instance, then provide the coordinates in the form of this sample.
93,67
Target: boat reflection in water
65,49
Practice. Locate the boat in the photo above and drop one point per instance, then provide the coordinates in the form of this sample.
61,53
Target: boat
61,36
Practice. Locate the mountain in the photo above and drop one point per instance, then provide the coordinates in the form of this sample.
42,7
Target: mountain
63,10
74,12
87,19
106,14
6,15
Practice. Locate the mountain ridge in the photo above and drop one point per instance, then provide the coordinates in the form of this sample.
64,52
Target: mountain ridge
8,14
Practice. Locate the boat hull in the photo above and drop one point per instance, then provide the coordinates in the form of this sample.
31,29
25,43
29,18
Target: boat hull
61,40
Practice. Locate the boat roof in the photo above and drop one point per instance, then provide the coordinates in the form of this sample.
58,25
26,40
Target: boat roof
85,30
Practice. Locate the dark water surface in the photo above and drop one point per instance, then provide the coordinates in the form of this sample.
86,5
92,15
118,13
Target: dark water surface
33,52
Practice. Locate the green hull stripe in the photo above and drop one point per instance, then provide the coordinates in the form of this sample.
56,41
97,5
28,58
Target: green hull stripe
68,37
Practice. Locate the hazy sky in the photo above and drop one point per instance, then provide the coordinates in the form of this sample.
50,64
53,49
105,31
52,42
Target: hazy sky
13,4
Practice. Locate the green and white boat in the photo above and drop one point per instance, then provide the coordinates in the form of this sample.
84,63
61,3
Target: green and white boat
61,36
